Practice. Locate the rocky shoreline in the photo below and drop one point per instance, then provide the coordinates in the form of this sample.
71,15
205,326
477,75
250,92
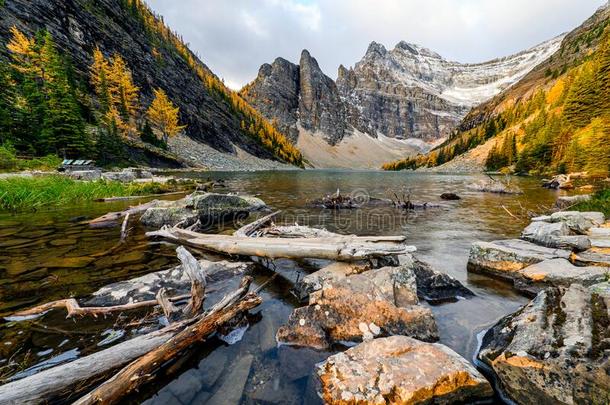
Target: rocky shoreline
556,349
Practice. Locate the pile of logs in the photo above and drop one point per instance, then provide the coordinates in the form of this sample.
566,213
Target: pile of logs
139,359
337,201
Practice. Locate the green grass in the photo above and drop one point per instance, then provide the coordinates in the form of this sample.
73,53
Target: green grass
600,202
9,162
34,193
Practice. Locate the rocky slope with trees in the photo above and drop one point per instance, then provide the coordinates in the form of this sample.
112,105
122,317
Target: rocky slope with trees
408,94
78,76
556,119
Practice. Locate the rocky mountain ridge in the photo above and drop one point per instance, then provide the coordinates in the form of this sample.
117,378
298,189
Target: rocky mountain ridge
155,56
406,93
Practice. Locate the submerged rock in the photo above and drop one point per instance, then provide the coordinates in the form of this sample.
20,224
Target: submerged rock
555,349
360,307
175,280
400,370
506,257
450,197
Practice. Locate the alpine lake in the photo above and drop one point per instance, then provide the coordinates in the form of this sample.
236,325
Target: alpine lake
54,254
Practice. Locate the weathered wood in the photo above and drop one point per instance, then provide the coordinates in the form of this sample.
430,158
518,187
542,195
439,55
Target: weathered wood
249,229
139,371
299,231
115,216
198,283
61,380
343,249
74,309
170,311
124,229
139,197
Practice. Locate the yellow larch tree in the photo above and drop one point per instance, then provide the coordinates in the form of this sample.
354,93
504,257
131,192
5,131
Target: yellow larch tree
24,53
163,115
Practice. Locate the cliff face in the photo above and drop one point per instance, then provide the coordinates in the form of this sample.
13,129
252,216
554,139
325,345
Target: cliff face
299,95
78,26
408,93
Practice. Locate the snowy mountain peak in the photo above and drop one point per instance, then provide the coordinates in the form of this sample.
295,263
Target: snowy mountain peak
416,50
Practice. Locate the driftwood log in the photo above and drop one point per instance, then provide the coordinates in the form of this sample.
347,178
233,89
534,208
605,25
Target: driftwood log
348,248
113,217
251,228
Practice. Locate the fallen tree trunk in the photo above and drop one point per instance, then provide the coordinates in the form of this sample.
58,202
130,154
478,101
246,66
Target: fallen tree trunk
349,248
250,229
74,309
298,231
139,371
112,217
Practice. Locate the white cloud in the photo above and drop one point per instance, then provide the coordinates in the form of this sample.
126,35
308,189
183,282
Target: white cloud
235,37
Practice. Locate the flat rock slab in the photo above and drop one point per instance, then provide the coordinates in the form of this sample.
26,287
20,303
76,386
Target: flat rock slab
556,273
555,349
175,280
333,272
375,303
505,257
593,257
400,370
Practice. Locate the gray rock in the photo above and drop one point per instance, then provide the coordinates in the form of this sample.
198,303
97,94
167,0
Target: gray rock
400,370
85,175
579,222
555,235
506,257
555,349
123,177
209,208
557,273
232,388
434,286
212,367
592,257
600,237
567,202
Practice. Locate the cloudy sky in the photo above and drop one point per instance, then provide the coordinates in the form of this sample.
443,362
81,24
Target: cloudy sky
234,37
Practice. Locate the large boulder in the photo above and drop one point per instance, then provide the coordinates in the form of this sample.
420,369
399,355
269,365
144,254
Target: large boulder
207,208
569,201
593,257
555,235
400,370
556,273
380,302
505,258
556,349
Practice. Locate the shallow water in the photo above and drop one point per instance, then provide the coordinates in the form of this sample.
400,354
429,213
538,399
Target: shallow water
51,255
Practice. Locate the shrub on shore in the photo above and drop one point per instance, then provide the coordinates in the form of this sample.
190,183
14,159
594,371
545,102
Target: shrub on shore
600,202
33,193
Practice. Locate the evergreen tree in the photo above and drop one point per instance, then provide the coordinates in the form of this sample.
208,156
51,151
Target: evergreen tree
7,101
583,100
63,126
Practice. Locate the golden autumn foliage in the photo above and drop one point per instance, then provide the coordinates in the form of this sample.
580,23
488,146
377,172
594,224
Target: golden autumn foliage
117,93
26,59
163,115
255,125
563,125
